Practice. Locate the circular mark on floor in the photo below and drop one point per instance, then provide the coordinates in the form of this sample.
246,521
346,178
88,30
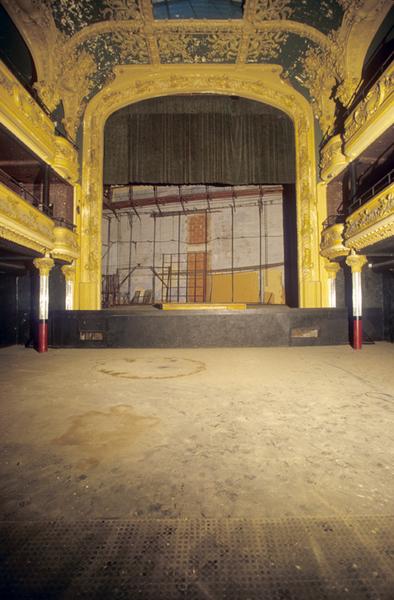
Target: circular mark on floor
151,368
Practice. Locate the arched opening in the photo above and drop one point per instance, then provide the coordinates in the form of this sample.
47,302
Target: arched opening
199,202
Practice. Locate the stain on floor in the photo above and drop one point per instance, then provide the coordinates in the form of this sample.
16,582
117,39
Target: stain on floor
99,432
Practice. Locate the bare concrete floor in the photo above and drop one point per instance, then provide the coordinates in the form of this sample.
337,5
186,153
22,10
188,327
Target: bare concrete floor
218,433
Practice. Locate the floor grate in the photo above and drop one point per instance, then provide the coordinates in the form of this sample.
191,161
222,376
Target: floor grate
235,559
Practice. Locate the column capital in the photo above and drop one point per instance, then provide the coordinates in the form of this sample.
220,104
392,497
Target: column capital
69,272
356,262
332,268
44,265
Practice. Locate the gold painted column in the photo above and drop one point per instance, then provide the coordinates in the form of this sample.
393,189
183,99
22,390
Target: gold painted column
356,263
44,265
331,269
69,275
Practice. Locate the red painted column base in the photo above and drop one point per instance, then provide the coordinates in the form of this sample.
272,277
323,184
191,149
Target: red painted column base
357,333
42,336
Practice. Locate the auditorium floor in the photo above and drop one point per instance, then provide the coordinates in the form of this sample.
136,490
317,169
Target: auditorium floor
217,433
220,474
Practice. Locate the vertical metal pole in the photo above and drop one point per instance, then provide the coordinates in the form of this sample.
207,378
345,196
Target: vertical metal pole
206,258
179,256
154,262
195,276
187,276
131,241
108,261
232,254
260,258
357,310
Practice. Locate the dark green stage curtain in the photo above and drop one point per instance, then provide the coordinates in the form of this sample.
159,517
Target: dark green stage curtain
198,140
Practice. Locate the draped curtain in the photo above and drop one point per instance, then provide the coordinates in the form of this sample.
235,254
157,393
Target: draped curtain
199,140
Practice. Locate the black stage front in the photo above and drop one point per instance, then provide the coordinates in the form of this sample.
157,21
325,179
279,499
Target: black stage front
149,327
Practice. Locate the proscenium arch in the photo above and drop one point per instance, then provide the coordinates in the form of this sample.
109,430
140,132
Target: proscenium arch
255,82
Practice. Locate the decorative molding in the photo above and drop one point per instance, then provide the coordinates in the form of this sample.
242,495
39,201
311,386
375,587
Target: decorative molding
23,224
44,265
257,82
69,272
372,115
333,161
332,245
372,222
66,244
356,262
332,269
24,118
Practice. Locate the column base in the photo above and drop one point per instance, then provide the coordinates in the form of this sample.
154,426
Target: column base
357,333
42,336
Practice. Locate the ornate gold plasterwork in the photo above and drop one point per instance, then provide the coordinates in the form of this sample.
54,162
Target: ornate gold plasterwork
332,268
179,46
269,10
265,45
66,244
44,265
372,222
135,83
22,223
372,115
331,245
69,272
333,161
356,262
68,73
122,10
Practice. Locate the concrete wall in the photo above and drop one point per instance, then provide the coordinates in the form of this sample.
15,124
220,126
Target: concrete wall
233,252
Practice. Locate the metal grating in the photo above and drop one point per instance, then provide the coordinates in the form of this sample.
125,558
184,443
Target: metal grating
287,559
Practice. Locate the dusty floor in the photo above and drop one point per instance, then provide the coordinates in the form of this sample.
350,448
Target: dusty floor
255,433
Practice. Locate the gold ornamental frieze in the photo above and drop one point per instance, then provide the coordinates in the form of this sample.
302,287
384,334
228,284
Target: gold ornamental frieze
372,222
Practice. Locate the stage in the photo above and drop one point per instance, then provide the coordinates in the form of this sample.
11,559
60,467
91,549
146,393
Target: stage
147,326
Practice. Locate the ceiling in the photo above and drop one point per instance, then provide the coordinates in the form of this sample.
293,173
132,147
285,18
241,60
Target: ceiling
198,31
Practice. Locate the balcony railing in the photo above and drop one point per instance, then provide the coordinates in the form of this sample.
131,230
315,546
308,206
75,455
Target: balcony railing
61,222
372,191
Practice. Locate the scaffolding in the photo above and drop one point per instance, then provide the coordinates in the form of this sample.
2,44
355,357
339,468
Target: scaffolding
181,276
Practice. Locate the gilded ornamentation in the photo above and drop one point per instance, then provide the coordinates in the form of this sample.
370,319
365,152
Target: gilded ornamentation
269,10
356,262
69,272
331,245
65,245
264,45
333,161
133,47
256,82
22,223
122,10
198,48
376,97
371,222
44,265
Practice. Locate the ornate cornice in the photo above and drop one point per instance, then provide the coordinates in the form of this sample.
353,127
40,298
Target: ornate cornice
331,245
356,262
372,222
